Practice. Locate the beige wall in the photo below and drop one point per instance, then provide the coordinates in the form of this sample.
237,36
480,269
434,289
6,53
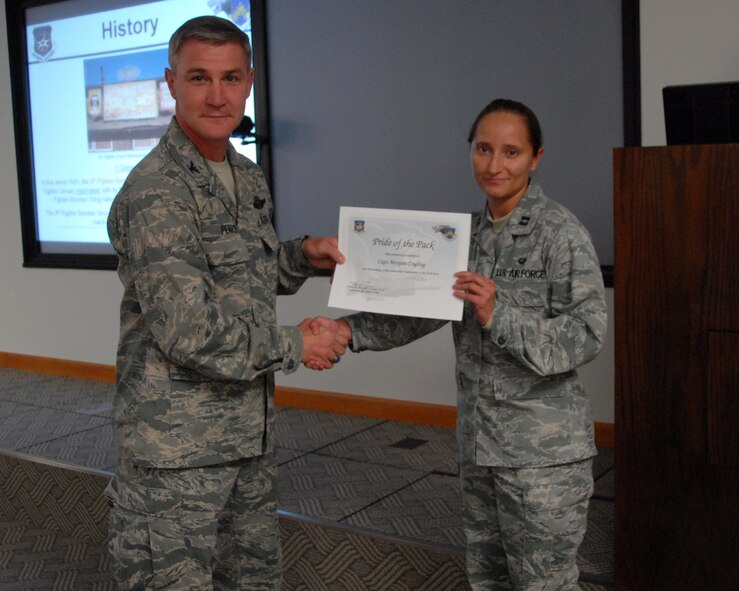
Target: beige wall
684,42
71,314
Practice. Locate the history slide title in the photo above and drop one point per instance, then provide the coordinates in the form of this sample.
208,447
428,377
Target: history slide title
112,29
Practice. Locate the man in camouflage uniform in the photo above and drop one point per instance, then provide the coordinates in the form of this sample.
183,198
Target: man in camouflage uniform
535,311
193,498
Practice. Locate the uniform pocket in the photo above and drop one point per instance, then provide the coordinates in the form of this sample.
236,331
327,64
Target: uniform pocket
269,237
146,540
229,263
178,373
557,497
556,519
226,250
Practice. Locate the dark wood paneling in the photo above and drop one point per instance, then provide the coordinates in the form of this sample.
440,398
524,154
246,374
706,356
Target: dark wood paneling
676,517
721,392
722,278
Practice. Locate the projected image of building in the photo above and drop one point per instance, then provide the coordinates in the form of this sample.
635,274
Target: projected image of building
128,102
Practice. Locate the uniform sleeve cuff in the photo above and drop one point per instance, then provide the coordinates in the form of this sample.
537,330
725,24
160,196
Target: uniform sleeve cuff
294,251
500,325
357,342
293,348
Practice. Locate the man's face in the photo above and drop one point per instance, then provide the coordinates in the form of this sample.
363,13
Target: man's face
210,85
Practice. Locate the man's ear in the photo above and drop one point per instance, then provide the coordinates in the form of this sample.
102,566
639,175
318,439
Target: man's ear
169,77
250,81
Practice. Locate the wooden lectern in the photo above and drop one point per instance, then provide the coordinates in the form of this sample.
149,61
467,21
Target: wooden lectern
676,279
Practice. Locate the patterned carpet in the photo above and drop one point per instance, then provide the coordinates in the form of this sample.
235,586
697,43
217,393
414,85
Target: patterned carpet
365,503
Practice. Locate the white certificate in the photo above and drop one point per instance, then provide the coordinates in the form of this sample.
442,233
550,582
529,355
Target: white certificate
400,261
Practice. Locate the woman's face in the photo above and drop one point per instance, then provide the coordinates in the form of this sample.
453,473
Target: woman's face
502,160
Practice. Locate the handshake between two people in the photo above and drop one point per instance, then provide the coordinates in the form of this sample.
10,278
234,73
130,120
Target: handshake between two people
324,341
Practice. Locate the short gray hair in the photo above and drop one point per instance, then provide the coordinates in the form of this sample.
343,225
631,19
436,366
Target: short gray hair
209,29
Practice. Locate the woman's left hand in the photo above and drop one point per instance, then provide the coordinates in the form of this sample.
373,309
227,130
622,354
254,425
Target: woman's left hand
478,291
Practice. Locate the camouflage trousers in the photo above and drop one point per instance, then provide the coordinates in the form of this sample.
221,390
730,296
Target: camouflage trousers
210,528
523,526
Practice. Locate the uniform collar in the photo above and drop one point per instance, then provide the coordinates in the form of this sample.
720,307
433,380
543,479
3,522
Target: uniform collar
524,216
197,172
522,220
186,155
527,211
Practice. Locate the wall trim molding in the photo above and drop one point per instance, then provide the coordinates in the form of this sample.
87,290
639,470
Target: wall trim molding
60,367
437,415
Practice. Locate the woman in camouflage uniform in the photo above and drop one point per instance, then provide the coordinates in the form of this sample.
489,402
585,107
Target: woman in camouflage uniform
535,311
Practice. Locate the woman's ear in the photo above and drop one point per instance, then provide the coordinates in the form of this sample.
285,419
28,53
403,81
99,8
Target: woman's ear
537,159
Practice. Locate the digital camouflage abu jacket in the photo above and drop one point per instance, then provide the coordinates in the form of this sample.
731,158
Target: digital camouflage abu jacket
198,343
519,400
